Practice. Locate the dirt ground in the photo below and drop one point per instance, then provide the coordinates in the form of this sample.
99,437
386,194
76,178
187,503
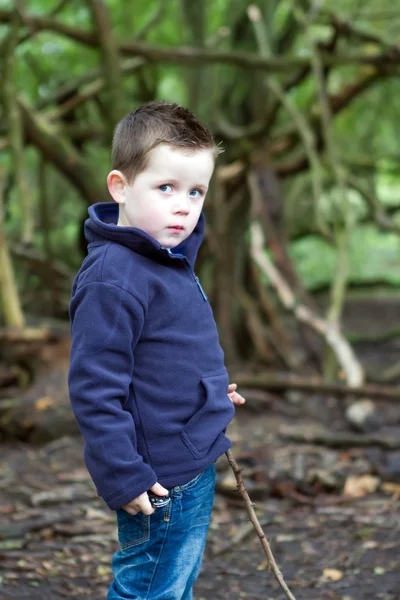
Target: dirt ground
57,537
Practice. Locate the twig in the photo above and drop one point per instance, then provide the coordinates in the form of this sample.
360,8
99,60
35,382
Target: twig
271,564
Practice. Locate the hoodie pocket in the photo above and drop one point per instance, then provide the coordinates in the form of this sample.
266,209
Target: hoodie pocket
207,424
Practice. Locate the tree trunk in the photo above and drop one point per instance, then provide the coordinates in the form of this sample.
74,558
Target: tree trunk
9,298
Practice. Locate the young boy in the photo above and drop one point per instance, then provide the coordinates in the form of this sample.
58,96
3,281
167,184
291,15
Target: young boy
147,380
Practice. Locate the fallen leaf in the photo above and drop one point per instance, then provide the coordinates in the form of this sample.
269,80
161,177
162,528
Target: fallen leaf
359,485
22,563
6,509
285,537
391,488
12,544
80,474
44,403
103,570
379,571
263,565
95,513
333,574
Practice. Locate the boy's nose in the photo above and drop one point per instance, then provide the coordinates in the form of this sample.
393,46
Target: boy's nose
181,206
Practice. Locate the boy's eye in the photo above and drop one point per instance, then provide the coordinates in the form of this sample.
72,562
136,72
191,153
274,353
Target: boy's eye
195,193
165,188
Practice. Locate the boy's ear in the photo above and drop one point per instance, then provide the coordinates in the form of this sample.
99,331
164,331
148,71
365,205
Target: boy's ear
116,184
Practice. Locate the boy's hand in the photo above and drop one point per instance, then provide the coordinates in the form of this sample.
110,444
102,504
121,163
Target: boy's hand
234,396
142,502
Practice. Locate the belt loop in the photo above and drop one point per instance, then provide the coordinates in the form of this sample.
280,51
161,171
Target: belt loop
167,511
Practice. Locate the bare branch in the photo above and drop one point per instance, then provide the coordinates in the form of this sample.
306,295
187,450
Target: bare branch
112,72
58,150
189,55
348,30
341,229
279,381
87,92
338,439
329,331
90,88
305,131
337,104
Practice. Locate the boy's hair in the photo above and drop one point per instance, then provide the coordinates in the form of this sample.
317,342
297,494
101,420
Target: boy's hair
152,124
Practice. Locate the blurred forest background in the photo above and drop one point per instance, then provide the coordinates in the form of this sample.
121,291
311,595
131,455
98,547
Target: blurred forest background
303,98
301,259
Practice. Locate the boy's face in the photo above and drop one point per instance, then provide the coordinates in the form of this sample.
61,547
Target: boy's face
166,199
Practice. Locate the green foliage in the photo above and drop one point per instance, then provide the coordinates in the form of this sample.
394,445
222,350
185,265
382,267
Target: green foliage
366,132
374,256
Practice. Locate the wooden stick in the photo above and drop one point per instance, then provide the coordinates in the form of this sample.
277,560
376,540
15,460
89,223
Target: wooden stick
271,564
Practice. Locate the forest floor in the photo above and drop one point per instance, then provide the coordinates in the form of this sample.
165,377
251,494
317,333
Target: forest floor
330,511
57,536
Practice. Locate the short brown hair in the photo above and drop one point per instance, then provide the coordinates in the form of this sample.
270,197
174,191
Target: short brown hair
152,124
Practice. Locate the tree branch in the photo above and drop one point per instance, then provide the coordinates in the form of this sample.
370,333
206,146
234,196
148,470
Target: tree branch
278,381
337,104
306,133
58,150
193,56
338,439
348,30
111,63
329,331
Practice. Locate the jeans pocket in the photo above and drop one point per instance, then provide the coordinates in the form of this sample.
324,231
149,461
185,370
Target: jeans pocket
132,529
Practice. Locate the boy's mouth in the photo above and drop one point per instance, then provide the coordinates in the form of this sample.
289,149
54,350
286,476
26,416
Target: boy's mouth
176,227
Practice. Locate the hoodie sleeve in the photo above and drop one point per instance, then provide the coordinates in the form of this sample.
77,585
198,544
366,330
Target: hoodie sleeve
106,323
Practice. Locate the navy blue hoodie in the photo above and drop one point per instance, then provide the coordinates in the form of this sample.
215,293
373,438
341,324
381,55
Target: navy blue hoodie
147,380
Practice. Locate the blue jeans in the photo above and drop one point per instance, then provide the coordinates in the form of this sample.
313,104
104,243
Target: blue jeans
160,555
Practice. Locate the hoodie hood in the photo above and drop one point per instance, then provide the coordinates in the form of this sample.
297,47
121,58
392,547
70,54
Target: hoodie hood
102,226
